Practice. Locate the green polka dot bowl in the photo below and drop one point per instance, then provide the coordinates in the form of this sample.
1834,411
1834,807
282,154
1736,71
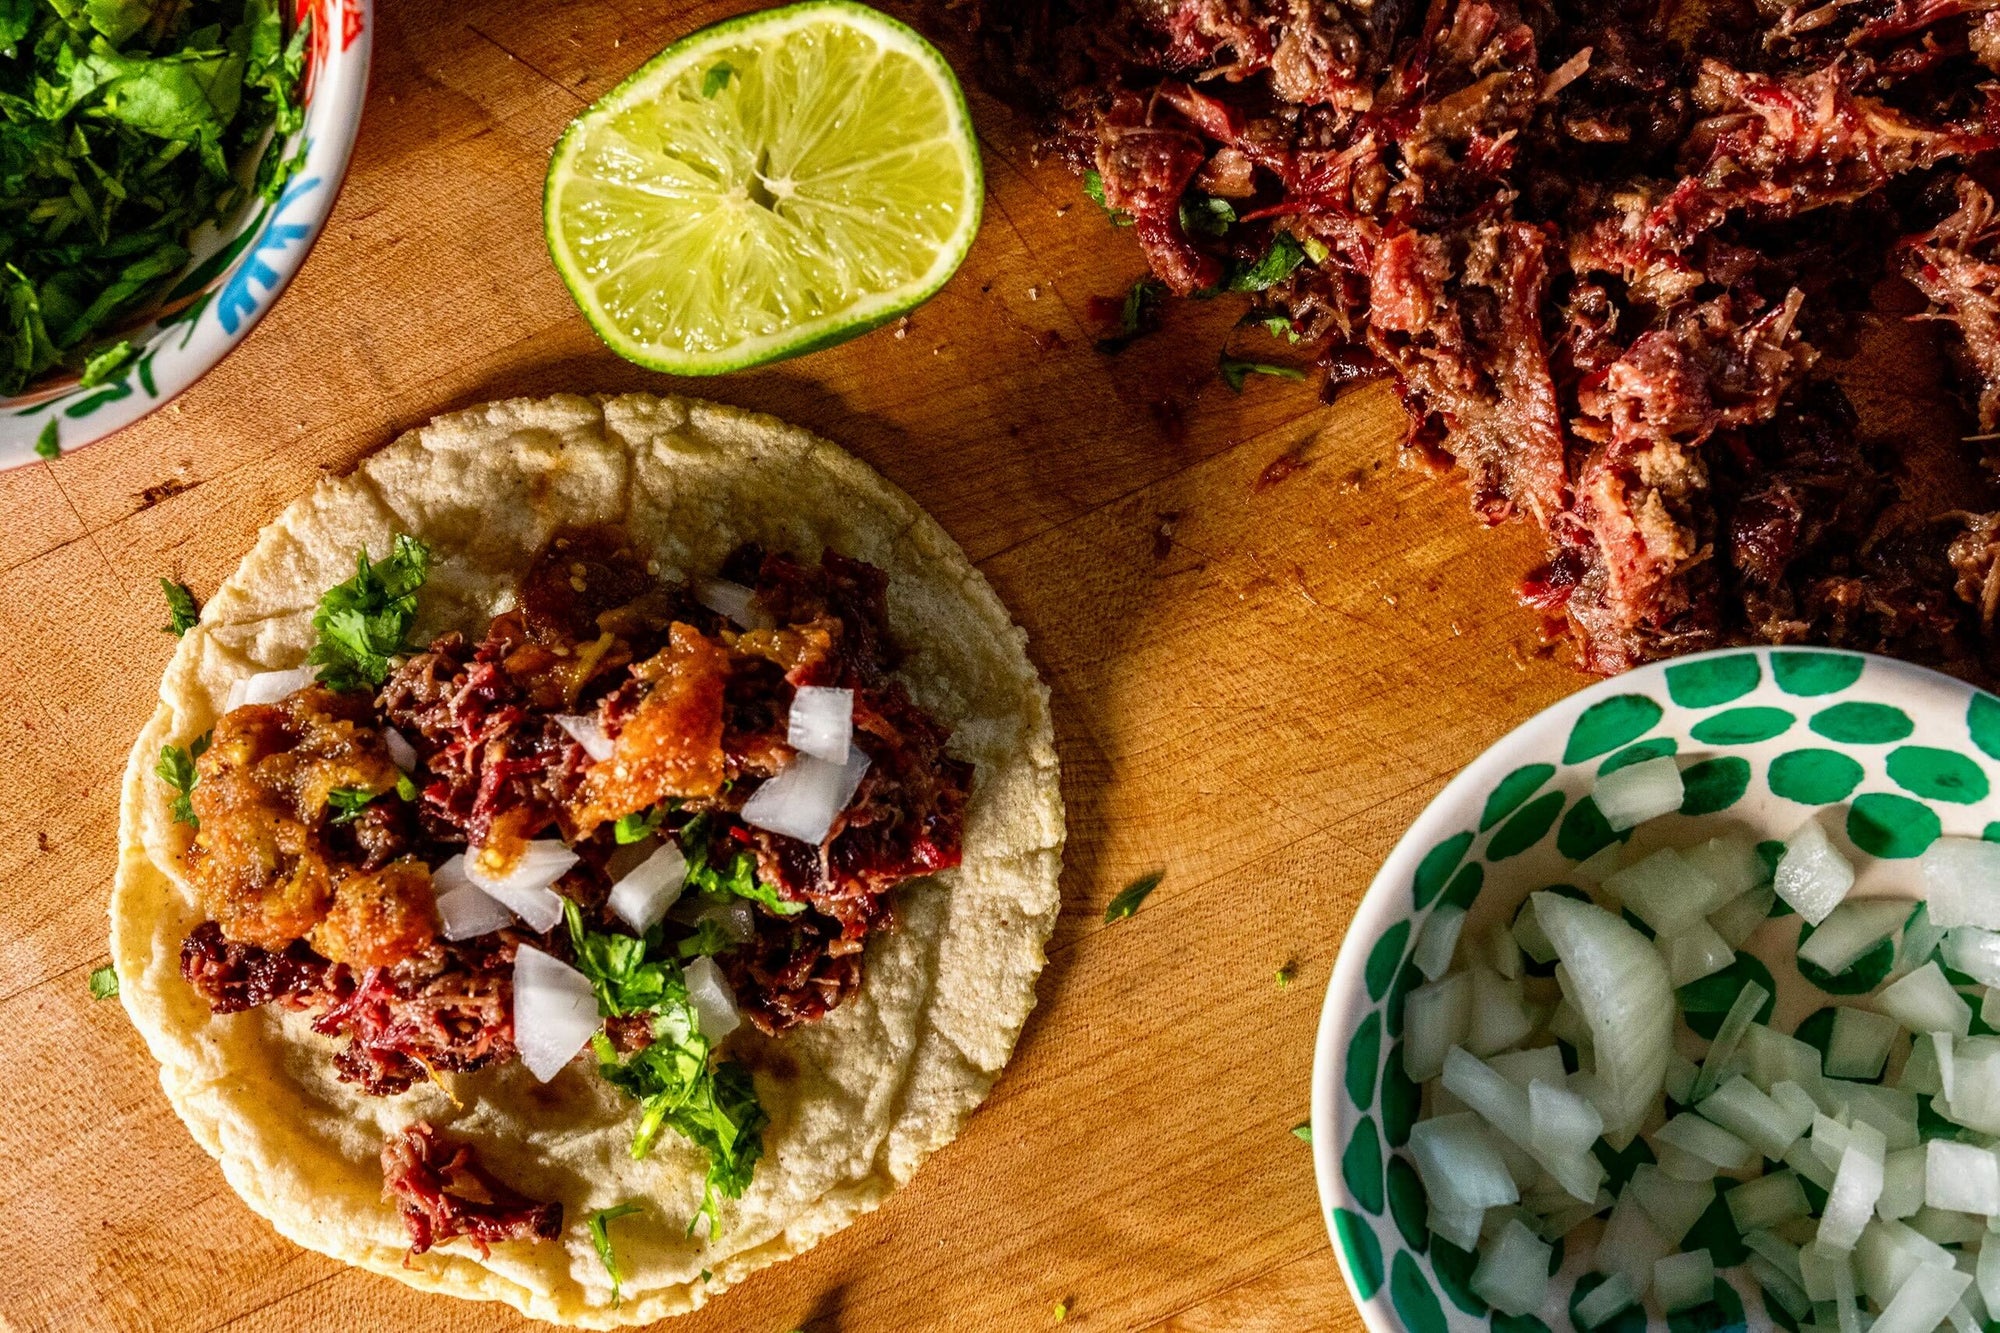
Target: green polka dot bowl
1887,756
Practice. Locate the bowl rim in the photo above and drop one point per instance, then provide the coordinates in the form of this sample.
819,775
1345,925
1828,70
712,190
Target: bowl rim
83,416
1384,901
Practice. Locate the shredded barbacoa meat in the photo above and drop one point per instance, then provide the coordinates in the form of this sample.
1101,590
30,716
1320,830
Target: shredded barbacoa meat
337,918
1605,250
442,1192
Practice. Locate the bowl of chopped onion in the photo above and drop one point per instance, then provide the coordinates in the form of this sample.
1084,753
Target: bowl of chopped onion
1681,1006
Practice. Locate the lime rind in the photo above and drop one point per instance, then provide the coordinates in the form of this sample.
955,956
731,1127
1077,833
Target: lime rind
681,267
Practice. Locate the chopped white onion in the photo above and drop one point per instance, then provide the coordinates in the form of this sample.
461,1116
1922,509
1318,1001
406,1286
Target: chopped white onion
1813,876
1460,1167
1856,1186
1974,951
587,731
1988,1275
1683,1281
1739,1107
1860,1042
714,1002
1630,1244
643,894
804,799
1961,1178
267,687
1924,1001
1766,1201
1438,940
1513,1272
1923,1300
1770,1057
1720,1061
1973,1099
1666,892
1889,1253
1617,1294
1819,1269
555,1012
1674,1205
464,908
1903,1173
732,601
1693,952
1500,1015
1627,797
821,722
1962,882
1921,937
525,887
1731,860
1617,980
1522,1068
1436,1018
401,753
1738,919
1851,930
1706,1140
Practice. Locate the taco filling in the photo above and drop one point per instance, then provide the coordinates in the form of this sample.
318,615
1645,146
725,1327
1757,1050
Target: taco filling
633,811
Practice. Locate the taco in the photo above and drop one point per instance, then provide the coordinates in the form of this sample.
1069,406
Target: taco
597,849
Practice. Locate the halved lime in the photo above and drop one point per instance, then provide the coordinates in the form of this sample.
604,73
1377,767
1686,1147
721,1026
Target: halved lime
770,185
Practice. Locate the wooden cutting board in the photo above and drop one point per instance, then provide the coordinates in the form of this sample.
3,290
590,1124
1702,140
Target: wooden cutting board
1256,689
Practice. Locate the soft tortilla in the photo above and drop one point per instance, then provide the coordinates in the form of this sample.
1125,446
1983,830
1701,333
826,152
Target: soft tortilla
856,1102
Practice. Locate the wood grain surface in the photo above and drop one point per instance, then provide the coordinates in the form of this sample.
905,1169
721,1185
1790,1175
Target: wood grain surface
1256,690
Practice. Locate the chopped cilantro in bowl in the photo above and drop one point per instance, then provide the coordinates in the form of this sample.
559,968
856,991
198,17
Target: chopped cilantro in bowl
165,166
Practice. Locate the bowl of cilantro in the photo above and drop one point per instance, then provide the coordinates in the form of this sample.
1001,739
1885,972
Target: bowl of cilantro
165,165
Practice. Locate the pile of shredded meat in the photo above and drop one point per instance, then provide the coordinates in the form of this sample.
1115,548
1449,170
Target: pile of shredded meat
326,907
1605,250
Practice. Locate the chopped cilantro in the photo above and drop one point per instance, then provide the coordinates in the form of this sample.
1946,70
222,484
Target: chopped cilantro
101,366
710,937
736,878
183,612
1128,899
176,769
122,120
1138,317
600,1239
103,982
714,1106
1093,185
364,622
639,826
49,443
406,787
1061,1311
347,802
1206,215
717,78
1233,371
1303,1131
1285,975
1315,249
1274,323
1272,268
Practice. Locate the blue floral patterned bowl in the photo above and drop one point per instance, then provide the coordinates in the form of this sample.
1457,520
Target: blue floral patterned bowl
236,270
1888,756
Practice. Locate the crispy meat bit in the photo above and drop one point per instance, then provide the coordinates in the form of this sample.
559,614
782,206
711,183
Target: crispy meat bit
671,745
443,1192
379,917
266,859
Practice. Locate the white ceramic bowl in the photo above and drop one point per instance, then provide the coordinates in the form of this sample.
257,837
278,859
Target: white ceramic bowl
237,270
1886,754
